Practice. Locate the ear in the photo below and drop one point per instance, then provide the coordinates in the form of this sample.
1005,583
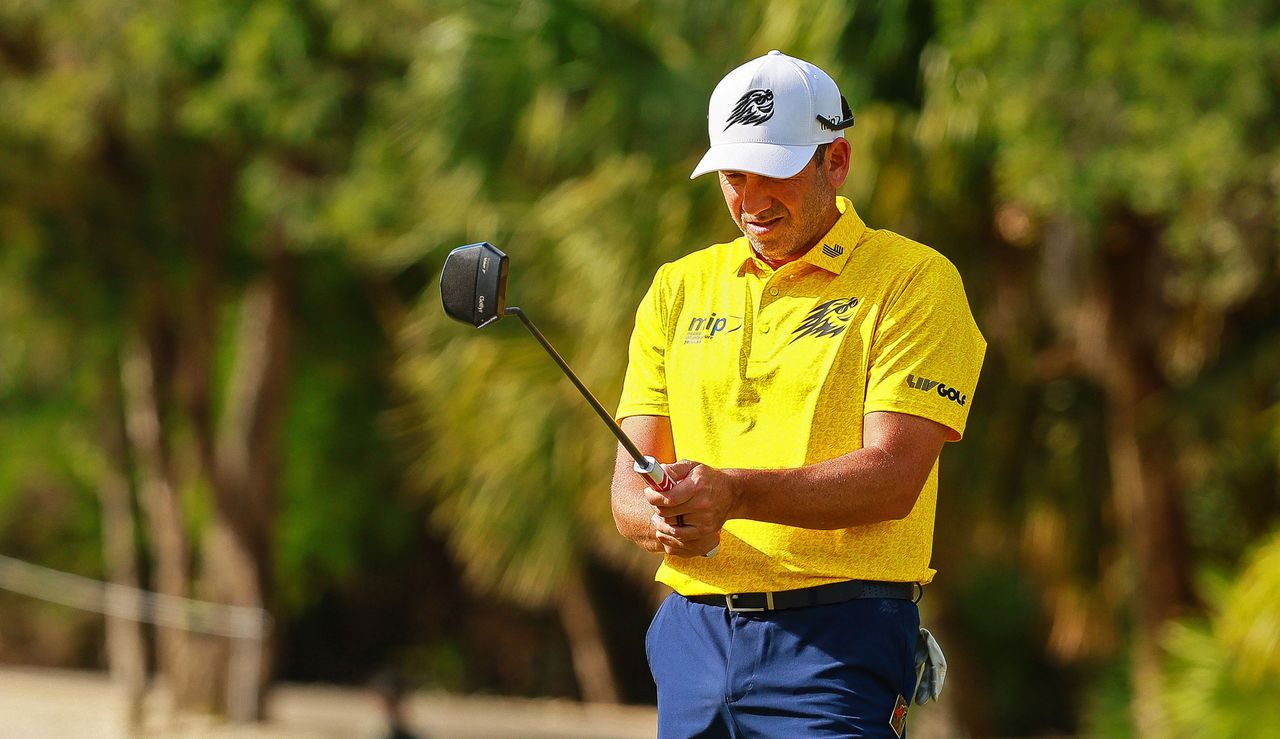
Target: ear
836,166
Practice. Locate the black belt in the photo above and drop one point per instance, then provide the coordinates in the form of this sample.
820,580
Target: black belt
818,595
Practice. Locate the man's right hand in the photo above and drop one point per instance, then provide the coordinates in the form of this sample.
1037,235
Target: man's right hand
691,514
637,518
683,541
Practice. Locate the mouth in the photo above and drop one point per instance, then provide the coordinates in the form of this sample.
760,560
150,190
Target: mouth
763,226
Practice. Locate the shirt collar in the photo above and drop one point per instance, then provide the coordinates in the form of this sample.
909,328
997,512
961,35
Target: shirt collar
830,253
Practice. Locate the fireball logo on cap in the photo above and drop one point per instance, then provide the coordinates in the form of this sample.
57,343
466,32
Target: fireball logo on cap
753,108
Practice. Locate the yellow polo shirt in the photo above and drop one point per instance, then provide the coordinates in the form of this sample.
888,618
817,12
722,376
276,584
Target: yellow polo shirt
766,369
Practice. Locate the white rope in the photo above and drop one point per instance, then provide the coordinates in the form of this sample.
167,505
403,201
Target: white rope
246,625
134,604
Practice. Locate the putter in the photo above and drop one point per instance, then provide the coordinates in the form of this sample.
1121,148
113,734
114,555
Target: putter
473,288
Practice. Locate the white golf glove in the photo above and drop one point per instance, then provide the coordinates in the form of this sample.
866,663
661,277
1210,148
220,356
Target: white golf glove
931,668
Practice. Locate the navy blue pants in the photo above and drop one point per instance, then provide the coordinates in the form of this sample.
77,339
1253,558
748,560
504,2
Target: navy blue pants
814,672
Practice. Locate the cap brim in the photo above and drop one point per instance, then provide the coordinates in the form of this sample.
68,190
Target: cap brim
769,160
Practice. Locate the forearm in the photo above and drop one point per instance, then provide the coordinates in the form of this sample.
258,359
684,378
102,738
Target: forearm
879,482
864,487
632,514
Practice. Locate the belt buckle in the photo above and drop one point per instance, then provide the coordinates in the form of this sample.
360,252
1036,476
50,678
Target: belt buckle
768,604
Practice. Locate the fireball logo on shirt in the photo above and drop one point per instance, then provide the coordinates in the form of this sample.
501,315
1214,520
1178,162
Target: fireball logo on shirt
826,319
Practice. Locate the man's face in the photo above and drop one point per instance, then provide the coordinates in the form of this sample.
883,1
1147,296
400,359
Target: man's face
782,217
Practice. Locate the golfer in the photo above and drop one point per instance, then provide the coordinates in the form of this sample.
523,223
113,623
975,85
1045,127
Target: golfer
806,375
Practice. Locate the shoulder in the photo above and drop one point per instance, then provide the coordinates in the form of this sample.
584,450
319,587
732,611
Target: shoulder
703,265
694,274
903,256
902,262
901,271
710,258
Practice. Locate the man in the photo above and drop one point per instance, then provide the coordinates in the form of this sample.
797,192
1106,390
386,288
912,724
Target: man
806,375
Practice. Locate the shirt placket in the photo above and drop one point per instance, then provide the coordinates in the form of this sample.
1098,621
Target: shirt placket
768,289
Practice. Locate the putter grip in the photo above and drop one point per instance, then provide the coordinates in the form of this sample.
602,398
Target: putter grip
657,478
654,474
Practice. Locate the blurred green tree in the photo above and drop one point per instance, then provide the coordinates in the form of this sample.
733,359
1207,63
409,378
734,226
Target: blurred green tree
1224,673
194,197
160,152
1134,157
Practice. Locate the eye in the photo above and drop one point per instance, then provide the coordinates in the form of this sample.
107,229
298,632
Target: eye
734,178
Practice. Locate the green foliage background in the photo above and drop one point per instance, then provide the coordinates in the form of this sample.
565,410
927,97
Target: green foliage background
428,467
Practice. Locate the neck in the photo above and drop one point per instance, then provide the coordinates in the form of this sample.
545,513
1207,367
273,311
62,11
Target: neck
775,263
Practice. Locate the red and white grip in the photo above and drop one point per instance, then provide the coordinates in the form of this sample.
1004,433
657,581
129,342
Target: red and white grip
653,473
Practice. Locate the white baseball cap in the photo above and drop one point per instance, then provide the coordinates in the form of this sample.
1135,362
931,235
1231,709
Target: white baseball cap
769,115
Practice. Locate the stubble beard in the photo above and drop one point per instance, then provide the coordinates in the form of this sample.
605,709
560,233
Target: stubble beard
805,231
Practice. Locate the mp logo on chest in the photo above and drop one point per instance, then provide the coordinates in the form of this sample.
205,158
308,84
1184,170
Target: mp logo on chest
706,328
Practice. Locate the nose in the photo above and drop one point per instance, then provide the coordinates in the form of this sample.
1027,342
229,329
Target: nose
756,197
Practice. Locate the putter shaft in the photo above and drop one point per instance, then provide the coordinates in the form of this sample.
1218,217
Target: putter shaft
646,467
595,404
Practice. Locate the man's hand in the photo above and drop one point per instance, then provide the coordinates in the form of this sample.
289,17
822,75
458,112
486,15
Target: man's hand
704,496
683,541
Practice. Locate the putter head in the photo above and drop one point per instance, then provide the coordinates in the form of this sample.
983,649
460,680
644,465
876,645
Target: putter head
473,284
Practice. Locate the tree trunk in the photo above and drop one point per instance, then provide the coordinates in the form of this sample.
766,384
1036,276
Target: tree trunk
238,552
197,360
586,643
159,499
126,649
1147,494
1133,499
1152,525
1111,303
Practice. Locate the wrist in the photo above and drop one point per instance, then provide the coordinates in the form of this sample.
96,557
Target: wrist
739,480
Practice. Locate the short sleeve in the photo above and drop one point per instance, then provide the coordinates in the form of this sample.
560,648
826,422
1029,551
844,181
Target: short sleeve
644,391
927,351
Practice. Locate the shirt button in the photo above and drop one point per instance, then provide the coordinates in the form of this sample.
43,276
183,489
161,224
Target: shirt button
773,291
764,328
